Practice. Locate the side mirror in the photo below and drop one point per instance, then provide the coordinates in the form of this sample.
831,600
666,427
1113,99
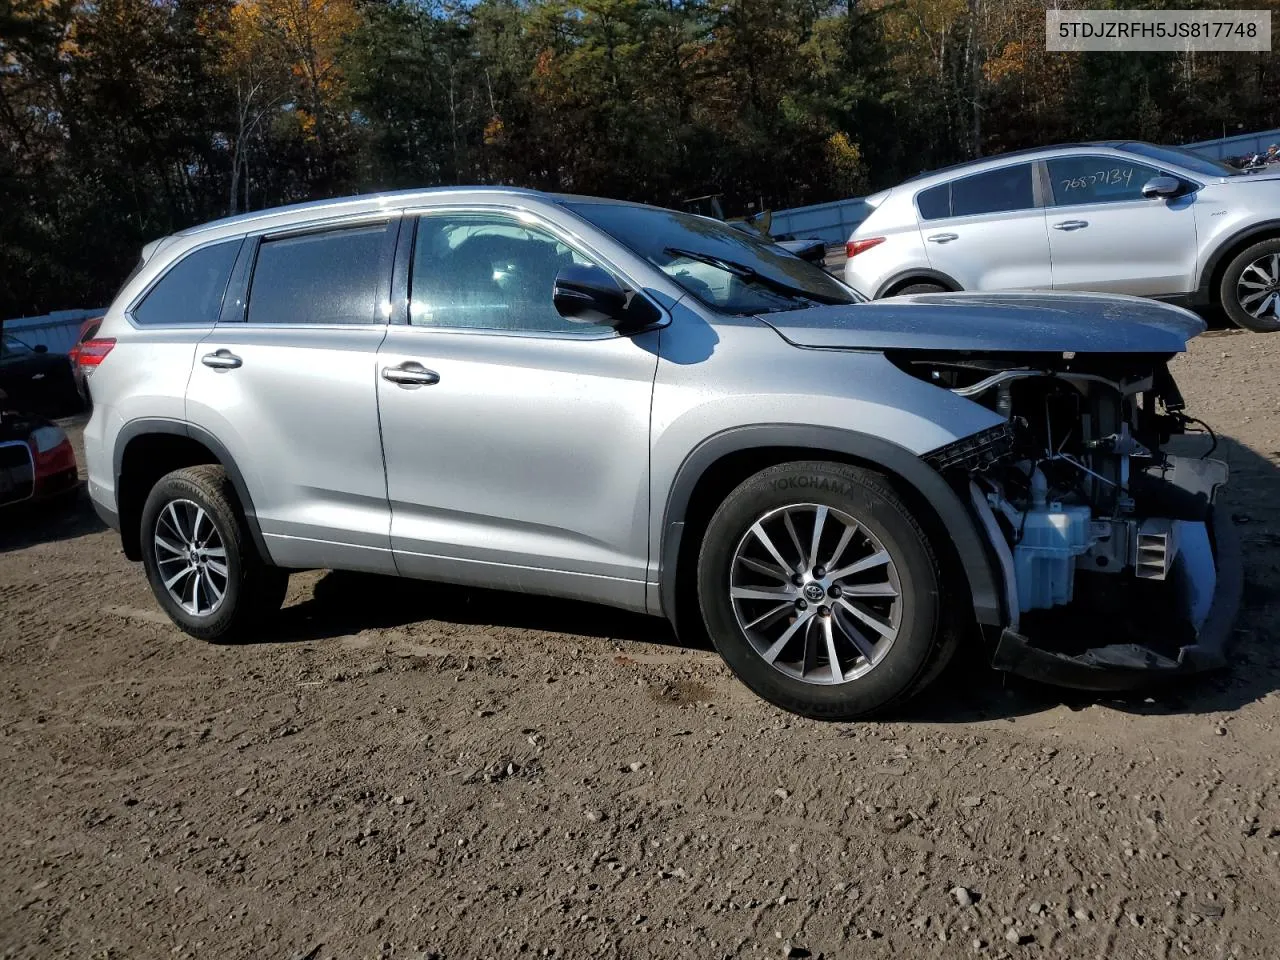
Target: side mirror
40,348
585,293
1161,187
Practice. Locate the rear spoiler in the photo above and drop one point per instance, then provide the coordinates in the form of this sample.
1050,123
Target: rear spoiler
151,248
876,199
148,251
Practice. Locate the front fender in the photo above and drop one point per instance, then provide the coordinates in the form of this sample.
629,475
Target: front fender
971,545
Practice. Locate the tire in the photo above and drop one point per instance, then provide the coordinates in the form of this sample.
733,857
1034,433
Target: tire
884,669
250,589
922,287
1255,270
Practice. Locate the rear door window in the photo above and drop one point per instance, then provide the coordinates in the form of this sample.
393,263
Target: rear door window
328,277
192,289
935,202
996,191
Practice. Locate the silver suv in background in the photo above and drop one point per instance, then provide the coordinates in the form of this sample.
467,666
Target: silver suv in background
656,411
1114,216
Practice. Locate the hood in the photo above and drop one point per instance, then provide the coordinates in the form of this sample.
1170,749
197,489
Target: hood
1035,322
1271,173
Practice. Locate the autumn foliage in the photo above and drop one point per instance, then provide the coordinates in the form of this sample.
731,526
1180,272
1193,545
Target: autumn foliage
123,120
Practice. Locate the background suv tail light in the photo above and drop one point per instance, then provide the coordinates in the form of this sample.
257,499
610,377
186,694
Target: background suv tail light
855,247
87,330
53,457
93,352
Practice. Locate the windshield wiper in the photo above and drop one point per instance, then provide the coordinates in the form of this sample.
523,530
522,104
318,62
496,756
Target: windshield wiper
751,275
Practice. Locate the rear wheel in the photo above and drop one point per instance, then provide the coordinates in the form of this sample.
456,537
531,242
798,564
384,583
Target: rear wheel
821,590
1250,288
922,287
200,559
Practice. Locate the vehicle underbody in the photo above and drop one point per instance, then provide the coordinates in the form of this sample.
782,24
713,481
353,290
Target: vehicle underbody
1116,564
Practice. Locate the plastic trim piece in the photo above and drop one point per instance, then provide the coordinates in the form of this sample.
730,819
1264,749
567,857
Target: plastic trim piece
970,543
921,274
137,428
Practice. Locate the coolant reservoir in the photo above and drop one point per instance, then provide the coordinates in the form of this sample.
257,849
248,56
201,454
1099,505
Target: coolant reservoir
1044,559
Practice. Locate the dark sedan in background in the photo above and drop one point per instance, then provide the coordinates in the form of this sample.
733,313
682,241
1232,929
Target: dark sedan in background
37,381
37,462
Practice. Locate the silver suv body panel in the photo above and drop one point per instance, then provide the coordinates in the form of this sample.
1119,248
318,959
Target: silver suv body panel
556,463
1082,225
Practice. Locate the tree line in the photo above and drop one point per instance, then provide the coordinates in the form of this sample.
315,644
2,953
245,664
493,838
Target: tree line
124,120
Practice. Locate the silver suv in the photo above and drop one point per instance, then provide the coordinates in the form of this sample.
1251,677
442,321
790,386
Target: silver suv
655,411
1117,217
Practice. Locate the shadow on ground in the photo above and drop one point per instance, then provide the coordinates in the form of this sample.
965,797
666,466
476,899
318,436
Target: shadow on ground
344,603
26,525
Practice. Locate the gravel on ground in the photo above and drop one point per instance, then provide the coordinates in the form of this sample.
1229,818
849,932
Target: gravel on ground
414,770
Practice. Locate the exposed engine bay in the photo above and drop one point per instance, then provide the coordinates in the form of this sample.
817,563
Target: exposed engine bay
1106,538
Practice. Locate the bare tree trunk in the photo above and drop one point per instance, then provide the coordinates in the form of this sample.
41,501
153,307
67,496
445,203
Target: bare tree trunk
453,125
975,78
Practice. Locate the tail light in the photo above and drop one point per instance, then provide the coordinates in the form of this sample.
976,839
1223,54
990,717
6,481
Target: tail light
93,352
87,330
855,247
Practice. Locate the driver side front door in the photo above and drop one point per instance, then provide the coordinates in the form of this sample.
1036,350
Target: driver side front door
1105,236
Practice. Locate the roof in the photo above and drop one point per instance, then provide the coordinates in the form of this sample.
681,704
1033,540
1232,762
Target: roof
354,200
367,202
1025,152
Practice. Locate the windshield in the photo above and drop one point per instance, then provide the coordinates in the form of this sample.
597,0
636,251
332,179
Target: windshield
12,347
724,268
1195,162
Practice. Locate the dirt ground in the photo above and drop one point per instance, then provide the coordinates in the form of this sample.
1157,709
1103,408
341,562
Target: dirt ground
420,771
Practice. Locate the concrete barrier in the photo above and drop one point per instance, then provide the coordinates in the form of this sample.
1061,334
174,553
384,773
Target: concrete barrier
832,222
57,331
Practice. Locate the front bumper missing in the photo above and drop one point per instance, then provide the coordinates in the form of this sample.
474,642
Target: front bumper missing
1128,666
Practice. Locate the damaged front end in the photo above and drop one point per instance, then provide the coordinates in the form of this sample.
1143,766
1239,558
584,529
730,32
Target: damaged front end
1117,562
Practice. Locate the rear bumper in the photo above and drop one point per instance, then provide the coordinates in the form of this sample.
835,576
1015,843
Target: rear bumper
1130,666
56,485
106,514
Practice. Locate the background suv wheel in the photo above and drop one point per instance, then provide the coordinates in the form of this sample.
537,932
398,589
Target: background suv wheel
821,590
922,286
1250,289
200,559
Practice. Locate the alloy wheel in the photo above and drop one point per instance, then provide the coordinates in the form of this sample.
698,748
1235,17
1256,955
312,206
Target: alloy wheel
1258,289
816,593
191,557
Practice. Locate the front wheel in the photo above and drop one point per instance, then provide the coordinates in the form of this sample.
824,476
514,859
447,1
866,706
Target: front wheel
1250,288
200,559
821,590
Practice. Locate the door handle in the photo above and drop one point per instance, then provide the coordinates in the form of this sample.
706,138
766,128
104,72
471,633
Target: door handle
410,374
1071,225
944,237
221,360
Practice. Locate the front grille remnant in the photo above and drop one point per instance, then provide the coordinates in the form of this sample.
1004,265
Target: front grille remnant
17,472
976,452
1156,549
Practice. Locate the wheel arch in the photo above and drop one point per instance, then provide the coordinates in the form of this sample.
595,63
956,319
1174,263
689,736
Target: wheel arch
723,461
915,275
147,449
1216,264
